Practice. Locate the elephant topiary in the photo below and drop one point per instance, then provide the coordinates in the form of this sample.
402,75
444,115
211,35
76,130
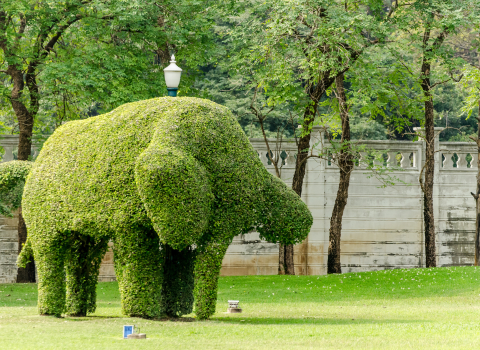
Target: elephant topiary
171,181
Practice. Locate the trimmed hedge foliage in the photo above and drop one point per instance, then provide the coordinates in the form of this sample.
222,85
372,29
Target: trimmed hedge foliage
171,181
12,180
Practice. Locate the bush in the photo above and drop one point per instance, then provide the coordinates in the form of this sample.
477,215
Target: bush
12,181
175,172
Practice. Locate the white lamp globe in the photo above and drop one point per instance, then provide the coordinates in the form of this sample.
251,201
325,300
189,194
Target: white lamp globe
172,74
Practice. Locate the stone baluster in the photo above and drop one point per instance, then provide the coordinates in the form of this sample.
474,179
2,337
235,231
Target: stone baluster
378,161
414,159
462,161
284,160
363,159
262,155
405,162
270,157
290,160
265,159
474,161
269,160
392,160
8,156
448,162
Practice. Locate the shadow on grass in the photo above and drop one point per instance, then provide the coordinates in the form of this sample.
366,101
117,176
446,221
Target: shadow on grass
107,305
99,317
314,320
175,319
89,318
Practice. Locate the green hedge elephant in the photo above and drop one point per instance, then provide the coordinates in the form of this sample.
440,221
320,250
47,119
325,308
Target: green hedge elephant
171,181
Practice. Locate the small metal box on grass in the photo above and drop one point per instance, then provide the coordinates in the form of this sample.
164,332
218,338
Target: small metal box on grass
233,307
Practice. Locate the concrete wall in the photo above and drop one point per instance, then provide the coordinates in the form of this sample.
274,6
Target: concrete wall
8,249
382,227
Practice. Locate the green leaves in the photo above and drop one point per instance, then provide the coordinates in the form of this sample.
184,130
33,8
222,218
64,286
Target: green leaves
12,180
471,85
107,53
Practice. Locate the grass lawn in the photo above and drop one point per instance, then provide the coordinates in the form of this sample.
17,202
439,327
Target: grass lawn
394,309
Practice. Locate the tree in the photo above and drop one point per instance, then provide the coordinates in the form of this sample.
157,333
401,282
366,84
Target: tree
58,59
286,265
345,163
428,24
295,51
471,83
476,195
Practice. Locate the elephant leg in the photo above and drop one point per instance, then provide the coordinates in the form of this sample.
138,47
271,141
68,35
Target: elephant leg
82,268
139,273
49,258
207,269
178,281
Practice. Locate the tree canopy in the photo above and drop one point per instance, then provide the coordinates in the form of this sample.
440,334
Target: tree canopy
87,57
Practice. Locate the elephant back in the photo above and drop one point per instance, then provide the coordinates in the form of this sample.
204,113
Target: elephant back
84,177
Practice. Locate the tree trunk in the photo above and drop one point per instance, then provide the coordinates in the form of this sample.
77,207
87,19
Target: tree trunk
477,196
345,163
27,274
281,259
428,218
304,143
25,123
25,118
289,264
302,153
429,51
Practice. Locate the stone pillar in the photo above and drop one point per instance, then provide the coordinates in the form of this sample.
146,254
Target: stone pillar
436,190
311,254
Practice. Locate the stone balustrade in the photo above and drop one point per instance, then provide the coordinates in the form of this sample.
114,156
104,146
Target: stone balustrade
382,227
459,156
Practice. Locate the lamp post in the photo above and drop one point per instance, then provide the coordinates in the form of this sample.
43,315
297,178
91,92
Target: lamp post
172,77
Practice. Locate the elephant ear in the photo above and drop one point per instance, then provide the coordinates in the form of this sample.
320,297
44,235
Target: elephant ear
12,181
176,192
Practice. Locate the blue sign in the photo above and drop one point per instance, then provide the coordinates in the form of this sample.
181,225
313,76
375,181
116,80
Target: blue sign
127,330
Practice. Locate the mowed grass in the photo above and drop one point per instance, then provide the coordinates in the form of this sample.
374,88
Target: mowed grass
393,309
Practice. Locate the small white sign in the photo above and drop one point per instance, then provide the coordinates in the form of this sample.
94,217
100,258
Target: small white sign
127,330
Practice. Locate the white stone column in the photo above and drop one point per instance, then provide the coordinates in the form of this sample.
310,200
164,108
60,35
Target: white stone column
312,253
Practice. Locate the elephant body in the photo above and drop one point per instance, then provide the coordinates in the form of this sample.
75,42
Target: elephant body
171,181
